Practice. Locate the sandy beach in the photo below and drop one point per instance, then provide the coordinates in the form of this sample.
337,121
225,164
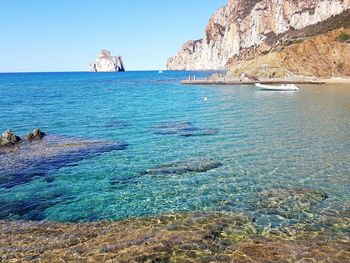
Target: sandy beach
345,81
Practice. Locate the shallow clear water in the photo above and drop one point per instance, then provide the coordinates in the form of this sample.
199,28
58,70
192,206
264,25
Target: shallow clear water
265,141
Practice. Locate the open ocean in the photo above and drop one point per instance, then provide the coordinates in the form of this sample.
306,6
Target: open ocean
281,159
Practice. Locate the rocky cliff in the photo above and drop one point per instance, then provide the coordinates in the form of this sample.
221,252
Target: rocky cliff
105,62
245,26
324,55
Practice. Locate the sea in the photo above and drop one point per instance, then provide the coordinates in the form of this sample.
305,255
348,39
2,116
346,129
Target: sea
279,158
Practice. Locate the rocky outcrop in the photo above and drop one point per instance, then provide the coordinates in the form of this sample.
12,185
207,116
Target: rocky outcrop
8,138
107,63
324,55
243,24
36,134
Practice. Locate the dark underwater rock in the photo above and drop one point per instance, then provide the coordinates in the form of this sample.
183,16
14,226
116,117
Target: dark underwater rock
8,138
186,166
36,134
184,129
122,180
117,124
28,209
29,159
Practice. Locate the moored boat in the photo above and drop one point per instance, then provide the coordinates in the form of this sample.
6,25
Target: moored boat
288,87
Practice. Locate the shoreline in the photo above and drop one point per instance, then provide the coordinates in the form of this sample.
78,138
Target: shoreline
234,81
337,81
184,236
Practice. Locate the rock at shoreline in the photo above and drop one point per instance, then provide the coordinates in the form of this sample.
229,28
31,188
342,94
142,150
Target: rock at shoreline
8,138
36,134
186,166
176,237
107,63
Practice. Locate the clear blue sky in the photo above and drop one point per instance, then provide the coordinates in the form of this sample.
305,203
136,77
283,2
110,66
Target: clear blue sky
65,35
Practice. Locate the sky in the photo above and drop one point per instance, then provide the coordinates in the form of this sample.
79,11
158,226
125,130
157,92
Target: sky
66,35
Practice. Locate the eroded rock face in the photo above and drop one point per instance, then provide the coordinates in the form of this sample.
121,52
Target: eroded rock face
244,24
107,63
298,58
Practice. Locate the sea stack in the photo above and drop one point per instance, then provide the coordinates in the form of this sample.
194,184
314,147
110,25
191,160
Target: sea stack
105,62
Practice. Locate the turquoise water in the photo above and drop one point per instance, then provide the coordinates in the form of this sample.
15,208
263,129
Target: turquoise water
262,141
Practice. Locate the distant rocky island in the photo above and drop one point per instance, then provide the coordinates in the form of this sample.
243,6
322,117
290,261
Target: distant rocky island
105,62
273,39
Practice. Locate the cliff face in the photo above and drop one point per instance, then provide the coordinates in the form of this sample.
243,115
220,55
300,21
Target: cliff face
107,63
245,24
324,55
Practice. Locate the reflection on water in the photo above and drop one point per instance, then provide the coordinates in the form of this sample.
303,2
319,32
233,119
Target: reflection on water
267,173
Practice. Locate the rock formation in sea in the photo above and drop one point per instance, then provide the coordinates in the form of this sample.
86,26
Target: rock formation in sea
8,138
39,154
245,29
36,134
105,62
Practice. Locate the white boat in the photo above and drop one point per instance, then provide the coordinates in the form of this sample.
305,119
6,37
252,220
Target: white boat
288,87
160,72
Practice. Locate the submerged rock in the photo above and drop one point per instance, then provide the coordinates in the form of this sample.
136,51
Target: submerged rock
289,203
182,167
37,158
117,124
8,138
36,134
178,237
31,208
184,129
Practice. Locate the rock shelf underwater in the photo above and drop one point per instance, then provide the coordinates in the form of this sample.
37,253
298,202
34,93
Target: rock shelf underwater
181,237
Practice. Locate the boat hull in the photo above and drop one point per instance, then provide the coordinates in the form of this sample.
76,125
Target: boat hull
289,87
